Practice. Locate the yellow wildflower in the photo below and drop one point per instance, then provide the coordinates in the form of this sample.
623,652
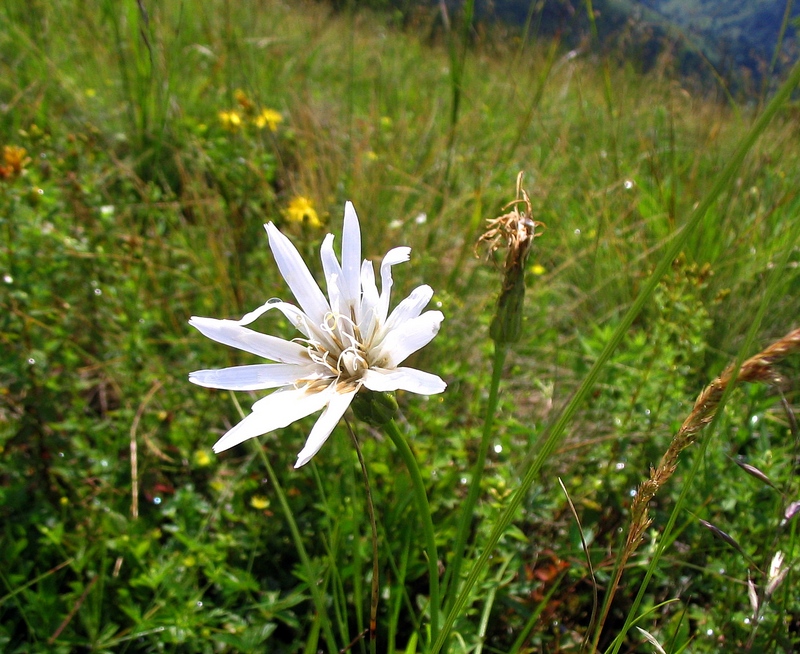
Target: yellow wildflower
538,269
202,458
230,120
14,162
301,210
15,158
269,118
259,502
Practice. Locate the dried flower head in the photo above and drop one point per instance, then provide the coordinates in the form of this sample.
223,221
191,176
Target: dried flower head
515,231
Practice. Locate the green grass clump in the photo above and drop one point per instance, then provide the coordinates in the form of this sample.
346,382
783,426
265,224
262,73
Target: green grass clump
158,140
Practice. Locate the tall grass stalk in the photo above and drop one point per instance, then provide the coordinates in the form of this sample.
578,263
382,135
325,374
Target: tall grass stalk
758,368
458,58
787,16
706,411
424,510
556,432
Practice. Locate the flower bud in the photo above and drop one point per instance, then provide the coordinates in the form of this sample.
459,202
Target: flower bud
374,408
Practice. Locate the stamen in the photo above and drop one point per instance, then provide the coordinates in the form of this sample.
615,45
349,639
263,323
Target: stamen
352,361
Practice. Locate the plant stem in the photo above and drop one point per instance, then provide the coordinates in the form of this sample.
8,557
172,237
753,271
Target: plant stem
316,596
424,509
373,611
465,519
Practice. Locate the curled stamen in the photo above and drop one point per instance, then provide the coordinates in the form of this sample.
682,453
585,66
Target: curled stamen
330,323
352,361
322,357
340,328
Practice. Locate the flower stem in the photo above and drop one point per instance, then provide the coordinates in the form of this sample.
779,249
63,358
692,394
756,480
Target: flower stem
468,508
319,602
373,610
424,509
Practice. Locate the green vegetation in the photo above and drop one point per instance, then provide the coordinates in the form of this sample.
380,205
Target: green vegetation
143,147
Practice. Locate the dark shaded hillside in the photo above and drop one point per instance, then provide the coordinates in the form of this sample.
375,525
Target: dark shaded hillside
734,34
736,37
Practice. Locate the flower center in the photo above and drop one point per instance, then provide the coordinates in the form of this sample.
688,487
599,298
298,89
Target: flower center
352,362
348,357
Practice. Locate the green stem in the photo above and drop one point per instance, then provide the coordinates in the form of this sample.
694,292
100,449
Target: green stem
465,519
316,595
373,607
424,509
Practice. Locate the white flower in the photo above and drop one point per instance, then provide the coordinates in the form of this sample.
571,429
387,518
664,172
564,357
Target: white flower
349,341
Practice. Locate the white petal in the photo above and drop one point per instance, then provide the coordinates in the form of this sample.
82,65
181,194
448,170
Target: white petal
369,297
303,323
333,273
275,411
406,379
325,425
297,276
230,332
410,308
257,377
351,255
392,258
248,318
406,339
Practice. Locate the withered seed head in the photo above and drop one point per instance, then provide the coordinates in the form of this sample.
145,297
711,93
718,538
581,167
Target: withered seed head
515,231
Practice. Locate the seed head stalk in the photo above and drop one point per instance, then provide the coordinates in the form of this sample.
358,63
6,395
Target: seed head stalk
514,231
758,368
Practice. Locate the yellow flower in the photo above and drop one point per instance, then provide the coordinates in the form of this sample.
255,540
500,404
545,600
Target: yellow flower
259,502
14,161
538,269
230,120
301,210
15,157
269,118
202,458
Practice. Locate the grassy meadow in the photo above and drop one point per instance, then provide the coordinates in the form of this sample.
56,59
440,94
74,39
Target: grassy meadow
144,145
